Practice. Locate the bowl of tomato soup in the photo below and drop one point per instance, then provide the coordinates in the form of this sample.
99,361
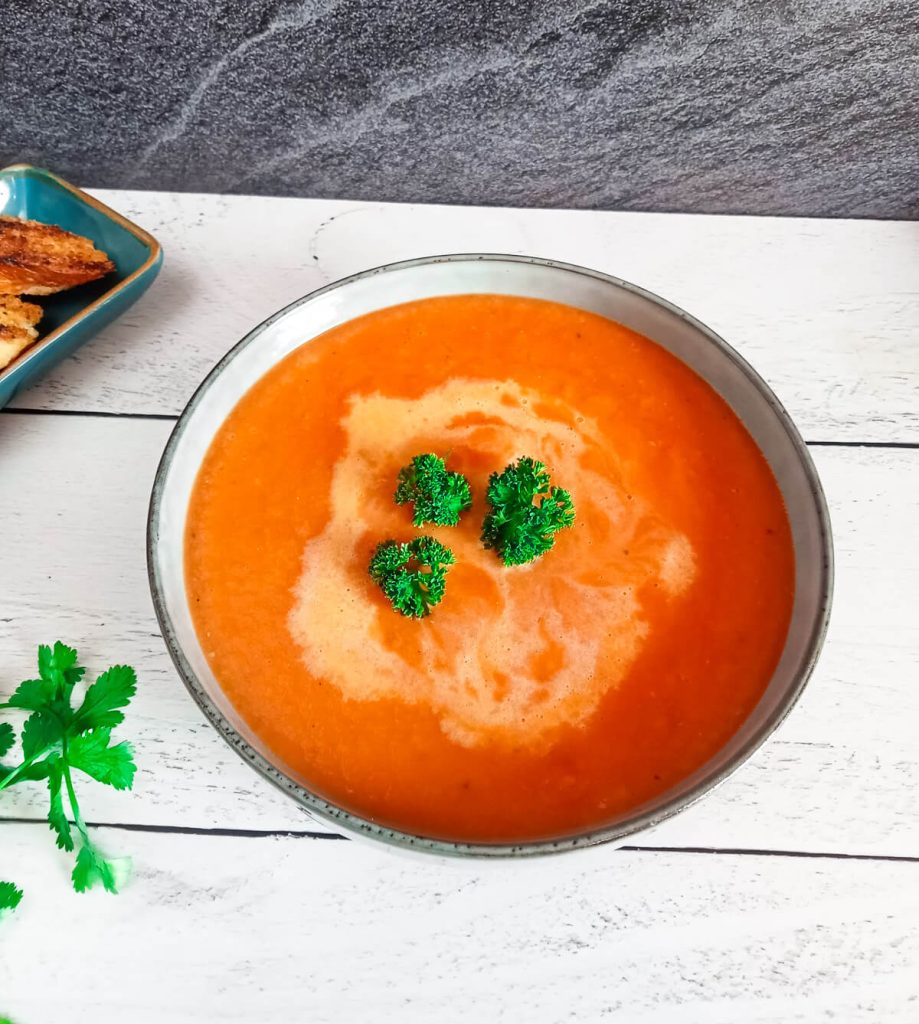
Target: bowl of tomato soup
574,700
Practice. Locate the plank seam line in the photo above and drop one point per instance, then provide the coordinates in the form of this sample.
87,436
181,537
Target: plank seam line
191,830
746,851
172,418
244,833
906,445
94,414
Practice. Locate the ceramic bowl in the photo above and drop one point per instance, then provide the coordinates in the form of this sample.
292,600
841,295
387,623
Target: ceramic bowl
657,319
72,317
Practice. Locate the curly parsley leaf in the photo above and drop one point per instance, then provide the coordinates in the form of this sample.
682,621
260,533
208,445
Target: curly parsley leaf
438,496
10,896
526,512
414,575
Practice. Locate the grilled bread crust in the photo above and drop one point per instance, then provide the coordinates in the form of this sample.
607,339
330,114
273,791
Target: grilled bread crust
39,259
17,327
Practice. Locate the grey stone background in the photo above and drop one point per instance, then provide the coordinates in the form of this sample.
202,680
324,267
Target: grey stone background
734,106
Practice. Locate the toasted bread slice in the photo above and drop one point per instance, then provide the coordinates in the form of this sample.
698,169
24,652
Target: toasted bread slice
17,327
38,259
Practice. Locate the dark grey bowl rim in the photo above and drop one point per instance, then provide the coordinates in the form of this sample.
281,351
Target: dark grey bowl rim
357,826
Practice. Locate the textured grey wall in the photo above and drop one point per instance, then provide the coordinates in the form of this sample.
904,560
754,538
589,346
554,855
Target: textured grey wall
705,105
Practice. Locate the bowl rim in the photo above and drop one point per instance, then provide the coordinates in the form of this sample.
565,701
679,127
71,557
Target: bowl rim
617,833
154,257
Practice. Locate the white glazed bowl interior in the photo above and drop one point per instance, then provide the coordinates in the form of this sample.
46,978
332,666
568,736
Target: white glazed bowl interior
651,316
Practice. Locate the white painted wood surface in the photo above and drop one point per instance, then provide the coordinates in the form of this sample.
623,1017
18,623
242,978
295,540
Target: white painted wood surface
827,311
221,927
278,930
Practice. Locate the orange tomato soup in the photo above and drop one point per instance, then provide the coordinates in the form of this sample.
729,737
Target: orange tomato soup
534,701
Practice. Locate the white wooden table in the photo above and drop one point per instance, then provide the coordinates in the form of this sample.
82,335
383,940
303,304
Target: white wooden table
791,894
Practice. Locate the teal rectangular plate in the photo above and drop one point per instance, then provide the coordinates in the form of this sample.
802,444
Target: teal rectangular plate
72,317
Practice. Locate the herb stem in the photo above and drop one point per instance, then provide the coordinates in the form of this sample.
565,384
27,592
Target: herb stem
8,780
72,797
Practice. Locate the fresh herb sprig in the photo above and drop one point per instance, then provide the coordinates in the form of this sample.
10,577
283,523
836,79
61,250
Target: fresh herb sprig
526,512
412,575
438,496
58,739
10,896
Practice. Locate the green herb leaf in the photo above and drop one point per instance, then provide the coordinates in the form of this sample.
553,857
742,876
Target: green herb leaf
59,673
526,512
45,656
58,665
92,869
35,772
57,818
438,496
60,659
7,738
33,694
10,896
111,691
55,740
24,772
91,753
40,731
413,575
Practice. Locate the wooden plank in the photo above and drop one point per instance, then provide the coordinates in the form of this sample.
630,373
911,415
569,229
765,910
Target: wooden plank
826,310
280,929
840,776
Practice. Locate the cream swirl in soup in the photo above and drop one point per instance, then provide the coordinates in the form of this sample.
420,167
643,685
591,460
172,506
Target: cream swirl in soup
483,664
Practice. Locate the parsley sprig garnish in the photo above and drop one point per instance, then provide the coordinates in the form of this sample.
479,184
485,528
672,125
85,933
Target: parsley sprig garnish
412,575
58,739
526,512
438,496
